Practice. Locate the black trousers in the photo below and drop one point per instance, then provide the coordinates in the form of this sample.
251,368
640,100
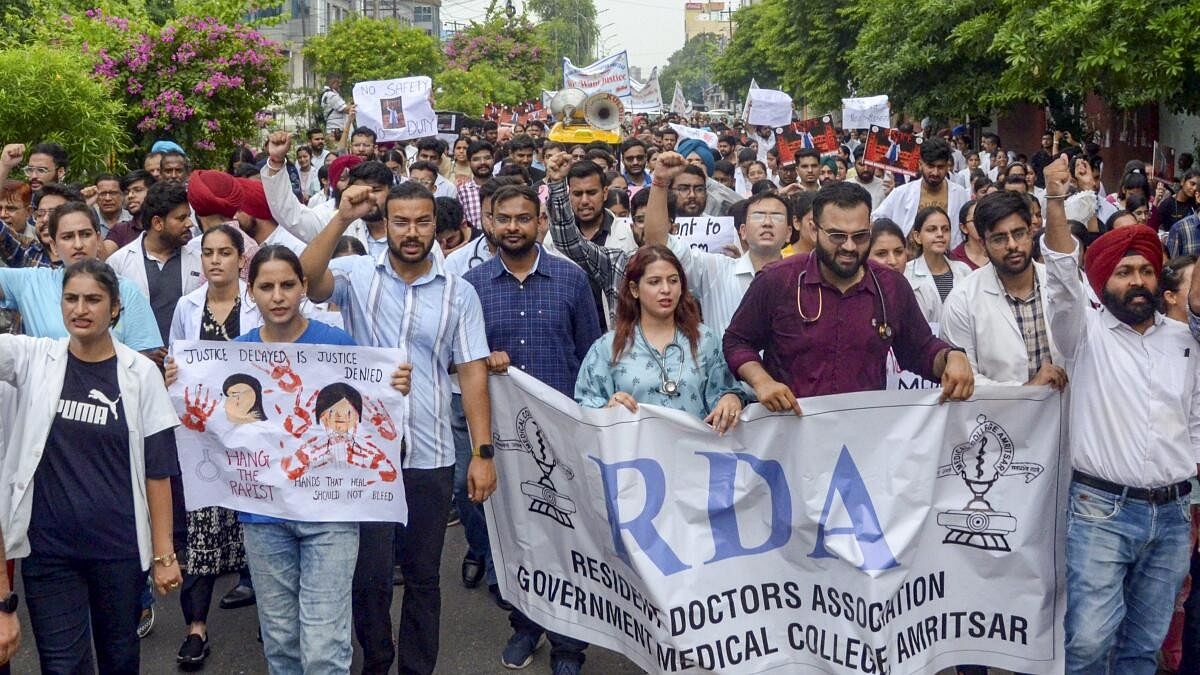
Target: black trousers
75,603
195,597
427,492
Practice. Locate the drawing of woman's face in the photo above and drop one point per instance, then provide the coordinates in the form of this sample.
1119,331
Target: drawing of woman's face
340,417
239,404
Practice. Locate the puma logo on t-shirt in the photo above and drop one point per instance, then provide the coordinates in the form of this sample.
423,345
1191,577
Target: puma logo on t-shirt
88,413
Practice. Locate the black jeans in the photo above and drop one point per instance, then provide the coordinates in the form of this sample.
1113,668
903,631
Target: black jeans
73,603
428,494
195,597
562,647
372,596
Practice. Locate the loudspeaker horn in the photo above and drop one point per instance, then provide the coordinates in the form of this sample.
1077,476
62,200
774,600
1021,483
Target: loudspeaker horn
566,102
603,111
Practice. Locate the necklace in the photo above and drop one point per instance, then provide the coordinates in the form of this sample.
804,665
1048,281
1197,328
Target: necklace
668,387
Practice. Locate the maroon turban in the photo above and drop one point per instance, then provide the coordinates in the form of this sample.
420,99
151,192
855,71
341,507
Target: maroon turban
343,163
214,193
254,199
1105,253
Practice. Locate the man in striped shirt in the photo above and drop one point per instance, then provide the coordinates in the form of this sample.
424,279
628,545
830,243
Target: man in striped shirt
402,298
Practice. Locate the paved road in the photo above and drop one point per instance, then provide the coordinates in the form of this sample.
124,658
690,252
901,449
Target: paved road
474,631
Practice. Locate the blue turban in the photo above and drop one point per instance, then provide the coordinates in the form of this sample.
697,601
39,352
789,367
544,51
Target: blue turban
692,145
167,146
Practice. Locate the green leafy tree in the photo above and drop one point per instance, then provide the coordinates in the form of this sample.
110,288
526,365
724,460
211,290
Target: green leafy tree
818,34
692,66
510,46
569,28
468,91
359,49
748,55
50,94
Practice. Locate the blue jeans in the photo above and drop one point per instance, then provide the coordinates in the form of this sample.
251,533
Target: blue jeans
305,633
471,514
1126,560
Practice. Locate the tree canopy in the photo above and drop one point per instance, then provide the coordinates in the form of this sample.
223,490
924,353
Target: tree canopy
361,48
692,66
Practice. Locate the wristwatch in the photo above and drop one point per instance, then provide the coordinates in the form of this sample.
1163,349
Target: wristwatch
9,604
484,451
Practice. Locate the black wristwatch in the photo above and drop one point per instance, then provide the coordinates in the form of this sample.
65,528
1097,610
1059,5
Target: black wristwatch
484,451
9,604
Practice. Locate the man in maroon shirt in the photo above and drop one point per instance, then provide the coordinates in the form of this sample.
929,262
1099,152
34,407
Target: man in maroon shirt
824,321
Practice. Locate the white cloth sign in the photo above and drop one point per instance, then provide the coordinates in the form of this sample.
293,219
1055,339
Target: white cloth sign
899,379
647,97
705,136
679,103
396,110
880,532
303,432
609,75
768,108
862,113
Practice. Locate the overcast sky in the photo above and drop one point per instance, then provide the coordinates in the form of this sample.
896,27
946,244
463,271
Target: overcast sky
651,30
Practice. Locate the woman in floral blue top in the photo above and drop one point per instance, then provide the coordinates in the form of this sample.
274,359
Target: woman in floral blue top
659,352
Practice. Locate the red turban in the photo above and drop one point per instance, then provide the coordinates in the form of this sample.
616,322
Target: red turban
214,193
1106,253
343,163
254,199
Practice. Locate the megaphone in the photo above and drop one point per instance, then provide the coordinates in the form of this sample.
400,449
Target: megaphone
566,102
603,111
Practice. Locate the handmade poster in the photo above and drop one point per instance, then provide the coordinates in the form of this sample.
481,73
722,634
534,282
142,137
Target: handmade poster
866,112
608,75
899,379
880,532
817,133
768,108
679,103
302,432
893,150
707,233
397,109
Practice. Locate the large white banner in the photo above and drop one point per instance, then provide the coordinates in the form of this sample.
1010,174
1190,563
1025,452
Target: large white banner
646,97
303,432
397,109
707,137
879,533
768,107
608,75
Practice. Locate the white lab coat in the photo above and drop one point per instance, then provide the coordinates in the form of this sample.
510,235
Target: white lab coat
129,262
918,274
37,367
185,323
978,318
904,202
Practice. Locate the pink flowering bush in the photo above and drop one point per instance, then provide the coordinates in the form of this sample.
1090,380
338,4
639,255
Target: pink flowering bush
196,80
513,47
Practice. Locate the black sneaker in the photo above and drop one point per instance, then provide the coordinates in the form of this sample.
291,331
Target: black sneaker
145,622
193,652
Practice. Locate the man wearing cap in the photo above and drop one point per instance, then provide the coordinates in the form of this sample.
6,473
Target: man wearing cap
1135,429
240,199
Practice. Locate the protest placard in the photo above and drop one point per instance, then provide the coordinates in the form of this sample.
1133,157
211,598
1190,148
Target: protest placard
866,112
303,432
893,150
879,532
768,108
679,103
608,75
396,109
817,133
705,136
707,233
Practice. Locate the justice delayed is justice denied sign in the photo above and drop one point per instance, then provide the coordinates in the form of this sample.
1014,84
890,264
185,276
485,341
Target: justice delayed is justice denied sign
303,432
879,533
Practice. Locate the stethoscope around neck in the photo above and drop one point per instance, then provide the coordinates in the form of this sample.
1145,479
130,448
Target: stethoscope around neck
477,259
882,327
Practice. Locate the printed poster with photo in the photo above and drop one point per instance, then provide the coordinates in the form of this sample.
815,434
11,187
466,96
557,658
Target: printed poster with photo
893,150
817,132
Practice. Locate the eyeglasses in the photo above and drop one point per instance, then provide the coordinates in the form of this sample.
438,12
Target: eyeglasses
859,238
109,193
760,218
44,213
1000,239
36,171
688,189
522,220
